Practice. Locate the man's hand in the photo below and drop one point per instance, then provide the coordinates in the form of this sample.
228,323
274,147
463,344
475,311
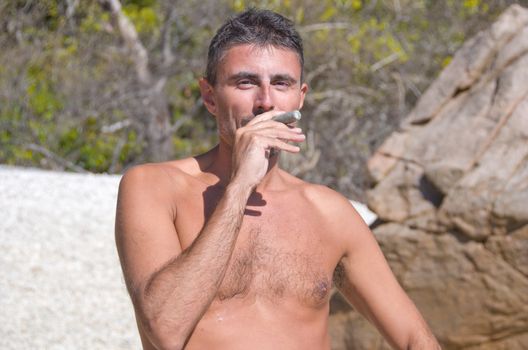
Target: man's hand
254,142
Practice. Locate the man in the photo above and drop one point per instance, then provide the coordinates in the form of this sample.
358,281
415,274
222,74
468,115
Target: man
227,251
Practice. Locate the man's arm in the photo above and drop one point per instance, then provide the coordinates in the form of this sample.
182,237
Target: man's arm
171,289
364,277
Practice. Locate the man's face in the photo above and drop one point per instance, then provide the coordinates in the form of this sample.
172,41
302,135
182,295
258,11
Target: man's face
252,80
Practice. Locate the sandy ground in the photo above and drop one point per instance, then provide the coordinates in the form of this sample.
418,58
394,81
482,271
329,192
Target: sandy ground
61,286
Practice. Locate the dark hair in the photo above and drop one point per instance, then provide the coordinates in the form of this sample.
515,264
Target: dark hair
253,26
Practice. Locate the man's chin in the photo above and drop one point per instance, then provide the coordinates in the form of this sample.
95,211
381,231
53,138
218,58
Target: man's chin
245,120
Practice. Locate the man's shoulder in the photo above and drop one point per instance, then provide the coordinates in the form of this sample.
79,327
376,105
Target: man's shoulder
324,199
322,194
161,174
333,211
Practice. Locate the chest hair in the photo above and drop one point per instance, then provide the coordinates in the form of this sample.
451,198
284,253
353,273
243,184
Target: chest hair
275,272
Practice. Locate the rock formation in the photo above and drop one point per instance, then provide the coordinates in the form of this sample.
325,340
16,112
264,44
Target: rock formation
451,193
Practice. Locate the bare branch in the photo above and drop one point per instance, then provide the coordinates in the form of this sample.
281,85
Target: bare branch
305,167
117,152
384,62
129,34
397,8
409,83
55,158
70,9
178,123
168,55
109,129
310,159
321,69
401,91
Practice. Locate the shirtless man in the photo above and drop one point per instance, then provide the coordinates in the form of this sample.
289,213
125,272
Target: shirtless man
227,251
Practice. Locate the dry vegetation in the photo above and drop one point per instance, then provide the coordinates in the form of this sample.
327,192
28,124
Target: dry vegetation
101,85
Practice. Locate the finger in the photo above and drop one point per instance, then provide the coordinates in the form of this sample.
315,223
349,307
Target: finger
271,124
264,116
281,145
281,133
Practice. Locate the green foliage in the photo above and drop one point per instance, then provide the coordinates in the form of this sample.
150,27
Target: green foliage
140,3
65,81
144,18
94,24
473,6
96,151
328,14
42,100
131,148
10,117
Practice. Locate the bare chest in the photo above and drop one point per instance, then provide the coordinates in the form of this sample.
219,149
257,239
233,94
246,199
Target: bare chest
279,260
280,254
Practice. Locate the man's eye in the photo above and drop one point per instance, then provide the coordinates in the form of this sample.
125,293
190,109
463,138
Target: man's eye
282,83
245,83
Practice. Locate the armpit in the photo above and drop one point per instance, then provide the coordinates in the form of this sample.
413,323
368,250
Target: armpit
339,275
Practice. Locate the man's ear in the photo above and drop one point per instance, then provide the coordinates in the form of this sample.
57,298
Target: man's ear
206,90
304,90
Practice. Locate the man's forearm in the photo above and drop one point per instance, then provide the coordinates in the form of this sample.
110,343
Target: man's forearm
424,340
177,296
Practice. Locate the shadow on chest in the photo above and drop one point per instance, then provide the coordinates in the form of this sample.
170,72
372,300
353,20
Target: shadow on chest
277,268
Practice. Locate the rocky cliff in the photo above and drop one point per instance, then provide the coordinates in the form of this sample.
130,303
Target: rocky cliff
451,192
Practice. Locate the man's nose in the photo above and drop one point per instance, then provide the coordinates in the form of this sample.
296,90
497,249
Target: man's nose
263,101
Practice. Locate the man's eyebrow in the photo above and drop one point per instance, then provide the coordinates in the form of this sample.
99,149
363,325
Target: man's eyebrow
284,77
243,75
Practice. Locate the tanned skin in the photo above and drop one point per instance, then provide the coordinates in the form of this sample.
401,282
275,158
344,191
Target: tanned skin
227,251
